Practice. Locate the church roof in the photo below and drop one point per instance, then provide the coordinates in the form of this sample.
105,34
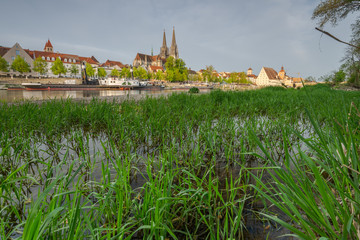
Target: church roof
48,44
271,73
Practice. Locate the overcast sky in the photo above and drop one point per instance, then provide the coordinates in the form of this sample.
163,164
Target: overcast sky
231,35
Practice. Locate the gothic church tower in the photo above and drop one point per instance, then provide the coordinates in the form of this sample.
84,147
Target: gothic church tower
174,49
164,50
48,46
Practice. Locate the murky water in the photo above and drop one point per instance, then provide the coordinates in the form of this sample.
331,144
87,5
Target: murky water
16,95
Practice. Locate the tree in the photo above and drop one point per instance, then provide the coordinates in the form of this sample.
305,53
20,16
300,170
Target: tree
125,73
114,73
160,75
40,66
176,70
310,79
334,11
339,77
234,78
4,65
20,65
243,78
74,70
89,70
208,74
58,67
140,73
101,73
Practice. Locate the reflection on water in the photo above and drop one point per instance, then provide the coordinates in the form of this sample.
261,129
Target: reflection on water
15,95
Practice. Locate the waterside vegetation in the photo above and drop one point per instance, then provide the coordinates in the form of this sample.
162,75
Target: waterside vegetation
186,166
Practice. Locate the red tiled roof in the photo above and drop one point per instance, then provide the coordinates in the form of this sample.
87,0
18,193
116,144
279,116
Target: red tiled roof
35,54
48,44
88,60
110,63
252,75
156,68
271,73
3,51
95,60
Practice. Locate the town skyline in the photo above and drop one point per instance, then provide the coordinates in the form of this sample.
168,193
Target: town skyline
225,35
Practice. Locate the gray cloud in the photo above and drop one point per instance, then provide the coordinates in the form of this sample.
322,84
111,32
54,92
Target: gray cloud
231,35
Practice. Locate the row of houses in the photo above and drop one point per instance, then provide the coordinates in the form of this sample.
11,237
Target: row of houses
152,63
267,76
49,55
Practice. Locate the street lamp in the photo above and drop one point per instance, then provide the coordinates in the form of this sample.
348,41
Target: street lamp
131,71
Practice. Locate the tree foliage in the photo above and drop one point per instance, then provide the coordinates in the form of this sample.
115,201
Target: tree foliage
4,65
58,67
90,70
209,74
125,73
114,73
40,66
176,70
334,10
74,70
339,77
101,72
20,65
140,73
160,75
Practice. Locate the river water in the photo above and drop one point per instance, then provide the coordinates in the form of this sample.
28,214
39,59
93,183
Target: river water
17,95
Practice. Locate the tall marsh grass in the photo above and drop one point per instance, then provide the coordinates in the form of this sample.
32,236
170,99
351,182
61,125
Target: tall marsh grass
181,167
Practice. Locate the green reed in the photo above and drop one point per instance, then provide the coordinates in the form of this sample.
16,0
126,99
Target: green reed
179,167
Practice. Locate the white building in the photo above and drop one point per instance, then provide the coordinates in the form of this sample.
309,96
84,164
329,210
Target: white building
268,77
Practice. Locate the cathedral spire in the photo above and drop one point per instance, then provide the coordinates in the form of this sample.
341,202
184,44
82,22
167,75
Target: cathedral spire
164,50
164,40
173,43
174,49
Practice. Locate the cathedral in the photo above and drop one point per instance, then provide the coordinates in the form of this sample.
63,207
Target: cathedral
147,61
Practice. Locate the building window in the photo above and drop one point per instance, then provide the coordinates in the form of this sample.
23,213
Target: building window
17,52
43,58
13,58
52,59
48,58
65,60
60,58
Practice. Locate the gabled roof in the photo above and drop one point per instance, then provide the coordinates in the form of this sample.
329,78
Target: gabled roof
271,73
110,63
251,76
95,60
35,54
3,50
88,60
156,68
